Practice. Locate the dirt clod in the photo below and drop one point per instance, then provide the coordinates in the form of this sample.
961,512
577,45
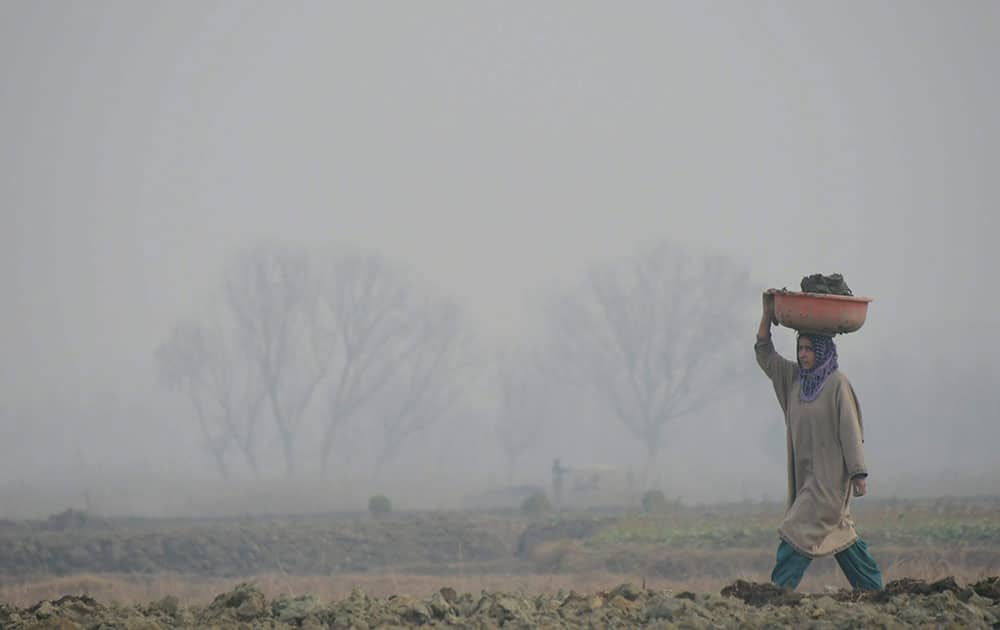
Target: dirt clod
818,283
746,604
449,595
905,586
760,594
989,588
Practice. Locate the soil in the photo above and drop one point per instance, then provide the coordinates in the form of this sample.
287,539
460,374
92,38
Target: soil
760,594
740,605
818,283
448,544
989,587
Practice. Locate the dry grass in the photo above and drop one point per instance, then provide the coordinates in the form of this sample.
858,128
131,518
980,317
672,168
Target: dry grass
131,589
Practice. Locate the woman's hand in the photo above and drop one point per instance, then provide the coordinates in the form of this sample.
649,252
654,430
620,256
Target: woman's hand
767,306
860,486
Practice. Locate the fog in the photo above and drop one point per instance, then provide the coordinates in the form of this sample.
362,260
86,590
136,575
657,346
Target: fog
493,153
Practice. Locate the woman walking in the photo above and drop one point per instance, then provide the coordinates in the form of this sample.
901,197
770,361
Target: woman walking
825,458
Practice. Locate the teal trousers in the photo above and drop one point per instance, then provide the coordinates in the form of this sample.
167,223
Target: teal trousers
856,562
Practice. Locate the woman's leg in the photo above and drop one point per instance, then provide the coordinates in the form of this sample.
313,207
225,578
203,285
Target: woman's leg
789,567
860,567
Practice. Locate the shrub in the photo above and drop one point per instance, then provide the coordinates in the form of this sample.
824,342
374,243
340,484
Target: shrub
379,505
535,504
654,502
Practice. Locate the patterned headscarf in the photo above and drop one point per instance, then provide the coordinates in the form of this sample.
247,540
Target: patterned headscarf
812,381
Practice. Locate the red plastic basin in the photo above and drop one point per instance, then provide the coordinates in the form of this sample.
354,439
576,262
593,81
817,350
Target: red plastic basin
819,312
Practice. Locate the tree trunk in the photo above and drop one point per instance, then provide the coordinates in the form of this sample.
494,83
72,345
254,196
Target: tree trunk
251,458
383,458
649,465
220,462
324,453
288,447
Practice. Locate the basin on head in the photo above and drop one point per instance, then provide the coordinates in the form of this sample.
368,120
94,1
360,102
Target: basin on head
820,313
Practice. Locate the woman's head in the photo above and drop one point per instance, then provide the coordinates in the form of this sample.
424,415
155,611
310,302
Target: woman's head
806,353
813,350
817,360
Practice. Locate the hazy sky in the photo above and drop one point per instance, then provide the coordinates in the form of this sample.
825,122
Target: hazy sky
496,148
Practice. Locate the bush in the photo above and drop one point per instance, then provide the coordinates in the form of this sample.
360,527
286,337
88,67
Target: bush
379,505
654,502
536,504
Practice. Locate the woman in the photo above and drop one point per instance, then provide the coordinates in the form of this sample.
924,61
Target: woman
825,458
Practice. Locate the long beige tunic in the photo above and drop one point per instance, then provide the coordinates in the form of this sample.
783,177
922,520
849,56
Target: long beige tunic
825,450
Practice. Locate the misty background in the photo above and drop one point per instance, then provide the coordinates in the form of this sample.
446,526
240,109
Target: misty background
493,155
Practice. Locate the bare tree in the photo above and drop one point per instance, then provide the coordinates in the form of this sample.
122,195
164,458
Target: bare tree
433,363
524,402
390,356
222,386
365,304
273,296
655,337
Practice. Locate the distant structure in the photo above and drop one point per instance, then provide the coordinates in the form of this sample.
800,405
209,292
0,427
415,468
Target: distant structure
591,486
